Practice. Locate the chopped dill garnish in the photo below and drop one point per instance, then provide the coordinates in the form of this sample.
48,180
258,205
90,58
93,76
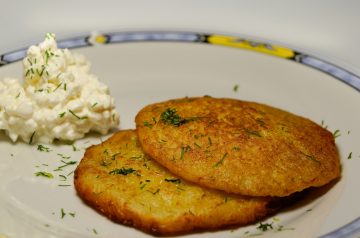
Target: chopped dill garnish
260,122
283,228
142,186
65,86
265,226
122,171
235,88
43,148
40,73
336,133
48,55
49,36
70,173
148,124
65,165
183,150
209,140
253,133
74,148
74,114
92,106
349,156
221,161
323,124
95,232
134,157
173,180
57,87
62,114
64,156
170,117
197,145
32,137
62,177
44,174
63,214
157,191
311,157
18,95
72,214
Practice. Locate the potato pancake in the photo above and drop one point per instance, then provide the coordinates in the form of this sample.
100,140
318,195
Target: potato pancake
120,181
239,147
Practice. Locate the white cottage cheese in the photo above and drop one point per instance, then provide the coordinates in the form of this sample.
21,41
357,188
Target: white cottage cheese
59,98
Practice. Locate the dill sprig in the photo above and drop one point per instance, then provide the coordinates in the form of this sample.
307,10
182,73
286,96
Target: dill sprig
78,117
221,161
265,226
32,137
173,180
44,174
43,148
170,117
122,171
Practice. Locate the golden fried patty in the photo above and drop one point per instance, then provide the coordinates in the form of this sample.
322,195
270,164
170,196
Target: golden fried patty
239,147
117,179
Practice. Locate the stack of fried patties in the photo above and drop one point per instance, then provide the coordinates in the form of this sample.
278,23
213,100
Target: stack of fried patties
204,164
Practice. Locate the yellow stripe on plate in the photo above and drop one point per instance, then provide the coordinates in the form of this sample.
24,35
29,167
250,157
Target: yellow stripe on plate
101,39
251,45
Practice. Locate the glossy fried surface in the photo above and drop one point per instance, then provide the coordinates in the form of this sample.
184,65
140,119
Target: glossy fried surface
118,180
237,146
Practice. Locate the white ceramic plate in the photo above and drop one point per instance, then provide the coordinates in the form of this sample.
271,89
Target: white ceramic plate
146,67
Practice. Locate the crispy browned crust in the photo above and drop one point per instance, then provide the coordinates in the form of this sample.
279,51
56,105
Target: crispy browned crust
151,198
239,147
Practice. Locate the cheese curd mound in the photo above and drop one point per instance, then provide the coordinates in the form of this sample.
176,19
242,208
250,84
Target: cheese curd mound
59,98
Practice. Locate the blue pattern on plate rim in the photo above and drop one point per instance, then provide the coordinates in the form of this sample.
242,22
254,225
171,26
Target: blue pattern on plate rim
345,76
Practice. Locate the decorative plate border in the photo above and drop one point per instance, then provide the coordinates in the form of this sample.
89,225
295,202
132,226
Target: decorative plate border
215,39
224,40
